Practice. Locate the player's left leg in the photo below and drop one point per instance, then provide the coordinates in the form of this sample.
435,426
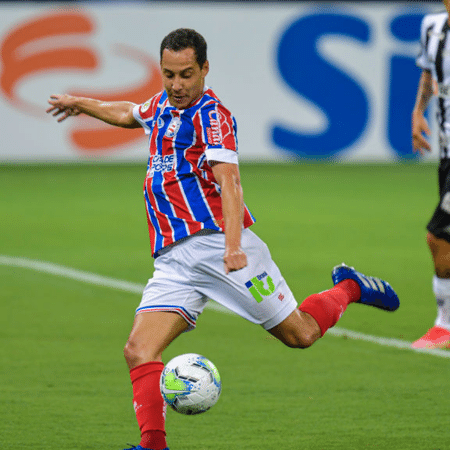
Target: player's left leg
321,311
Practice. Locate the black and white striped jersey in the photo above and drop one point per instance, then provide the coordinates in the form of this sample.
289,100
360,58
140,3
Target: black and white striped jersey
435,57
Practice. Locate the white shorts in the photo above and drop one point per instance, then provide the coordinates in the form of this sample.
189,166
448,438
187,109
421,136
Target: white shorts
192,272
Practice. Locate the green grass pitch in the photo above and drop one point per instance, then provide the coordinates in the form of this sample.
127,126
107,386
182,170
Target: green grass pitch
63,380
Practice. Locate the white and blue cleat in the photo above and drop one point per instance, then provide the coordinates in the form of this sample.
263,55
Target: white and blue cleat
374,291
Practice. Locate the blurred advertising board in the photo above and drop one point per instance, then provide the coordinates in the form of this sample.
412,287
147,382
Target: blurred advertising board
313,81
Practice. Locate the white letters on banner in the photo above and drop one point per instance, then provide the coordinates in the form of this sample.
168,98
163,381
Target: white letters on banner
303,81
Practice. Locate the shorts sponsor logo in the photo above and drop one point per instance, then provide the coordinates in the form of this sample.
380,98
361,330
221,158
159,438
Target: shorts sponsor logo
260,286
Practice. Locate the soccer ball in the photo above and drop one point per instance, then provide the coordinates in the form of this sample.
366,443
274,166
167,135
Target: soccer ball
190,384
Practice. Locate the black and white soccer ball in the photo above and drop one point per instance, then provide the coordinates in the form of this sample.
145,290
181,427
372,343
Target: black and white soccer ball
190,384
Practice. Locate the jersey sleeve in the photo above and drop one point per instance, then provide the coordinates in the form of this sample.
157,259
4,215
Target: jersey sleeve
422,59
219,133
145,112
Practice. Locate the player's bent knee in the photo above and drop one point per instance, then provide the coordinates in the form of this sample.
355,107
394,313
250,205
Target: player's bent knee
137,353
297,331
301,340
130,354
297,339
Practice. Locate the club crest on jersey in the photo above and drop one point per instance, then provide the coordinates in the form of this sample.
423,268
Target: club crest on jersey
173,127
257,286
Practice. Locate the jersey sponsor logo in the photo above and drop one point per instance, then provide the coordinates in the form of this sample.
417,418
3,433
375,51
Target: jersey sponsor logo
213,132
161,164
260,286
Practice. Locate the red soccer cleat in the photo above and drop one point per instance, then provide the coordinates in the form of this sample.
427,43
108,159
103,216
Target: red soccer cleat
435,337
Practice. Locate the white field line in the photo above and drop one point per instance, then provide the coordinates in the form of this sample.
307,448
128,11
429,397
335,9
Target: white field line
136,288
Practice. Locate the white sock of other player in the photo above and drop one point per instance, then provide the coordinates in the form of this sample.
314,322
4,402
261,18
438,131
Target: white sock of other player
441,289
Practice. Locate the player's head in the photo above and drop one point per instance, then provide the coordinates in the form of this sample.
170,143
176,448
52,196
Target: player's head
184,66
447,5
185,38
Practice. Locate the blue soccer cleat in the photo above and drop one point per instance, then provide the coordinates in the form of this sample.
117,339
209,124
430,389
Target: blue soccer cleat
139,447
374,292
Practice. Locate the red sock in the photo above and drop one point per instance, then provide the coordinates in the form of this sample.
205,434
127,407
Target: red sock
327,307
149,404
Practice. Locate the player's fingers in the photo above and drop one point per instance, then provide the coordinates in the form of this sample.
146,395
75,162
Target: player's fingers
64,116
235,264
57,111
421,146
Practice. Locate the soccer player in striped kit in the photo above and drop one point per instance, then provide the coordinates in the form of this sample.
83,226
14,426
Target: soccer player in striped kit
434,59
199,230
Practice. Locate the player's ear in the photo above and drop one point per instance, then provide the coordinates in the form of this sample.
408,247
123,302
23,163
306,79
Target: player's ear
205,68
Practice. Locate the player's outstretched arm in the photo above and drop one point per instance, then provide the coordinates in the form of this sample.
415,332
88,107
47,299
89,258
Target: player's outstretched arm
115,113
227,175
419,123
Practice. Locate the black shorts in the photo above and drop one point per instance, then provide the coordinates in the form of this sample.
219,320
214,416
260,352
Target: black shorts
439,225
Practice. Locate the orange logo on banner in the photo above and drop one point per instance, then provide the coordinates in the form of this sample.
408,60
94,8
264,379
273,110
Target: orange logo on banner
28,50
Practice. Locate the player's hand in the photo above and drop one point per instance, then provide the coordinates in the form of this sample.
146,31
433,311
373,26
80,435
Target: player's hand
419,128
234,260
62,106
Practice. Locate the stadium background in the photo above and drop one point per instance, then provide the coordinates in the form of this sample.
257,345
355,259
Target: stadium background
304,80
74,252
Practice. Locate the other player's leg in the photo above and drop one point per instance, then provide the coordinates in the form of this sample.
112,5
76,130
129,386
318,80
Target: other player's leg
438,336
438,240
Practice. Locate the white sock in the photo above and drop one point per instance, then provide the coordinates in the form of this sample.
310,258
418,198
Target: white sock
441,289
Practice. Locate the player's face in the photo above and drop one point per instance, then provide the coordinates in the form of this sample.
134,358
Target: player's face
183,78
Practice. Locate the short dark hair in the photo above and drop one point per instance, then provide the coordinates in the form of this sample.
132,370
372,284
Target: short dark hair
185,38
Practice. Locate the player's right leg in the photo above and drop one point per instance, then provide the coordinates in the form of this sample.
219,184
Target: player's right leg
169,306
152,332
